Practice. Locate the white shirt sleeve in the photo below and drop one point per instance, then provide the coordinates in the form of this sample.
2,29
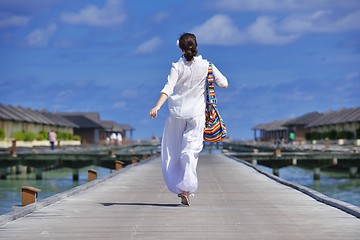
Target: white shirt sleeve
171,81
220,79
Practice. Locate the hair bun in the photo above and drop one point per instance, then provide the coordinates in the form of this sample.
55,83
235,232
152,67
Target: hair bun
188,44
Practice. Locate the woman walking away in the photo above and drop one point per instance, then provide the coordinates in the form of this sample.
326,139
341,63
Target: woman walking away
182,139
52,139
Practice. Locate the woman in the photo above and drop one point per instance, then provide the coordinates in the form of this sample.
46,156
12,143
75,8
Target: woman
182,139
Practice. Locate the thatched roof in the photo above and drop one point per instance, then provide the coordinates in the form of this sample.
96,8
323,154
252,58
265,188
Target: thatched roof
272,126
304,119
20,114
345,115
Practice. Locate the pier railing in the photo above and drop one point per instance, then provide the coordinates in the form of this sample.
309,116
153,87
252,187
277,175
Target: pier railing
38,161
276,157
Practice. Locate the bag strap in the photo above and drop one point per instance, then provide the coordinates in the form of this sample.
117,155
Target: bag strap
210,89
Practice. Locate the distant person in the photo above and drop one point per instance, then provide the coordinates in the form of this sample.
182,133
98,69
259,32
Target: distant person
291,137
52,139
113,138
182,139
119,139
277,142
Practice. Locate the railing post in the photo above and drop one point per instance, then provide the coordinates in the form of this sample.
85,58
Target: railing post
92,174
326,143
75,174
118,165
316,173
29,195
112,153
38,174
276,171
3,173
278,153
13,148
353,172
134,160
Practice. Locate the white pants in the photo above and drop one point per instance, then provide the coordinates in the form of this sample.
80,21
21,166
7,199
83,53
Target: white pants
182,142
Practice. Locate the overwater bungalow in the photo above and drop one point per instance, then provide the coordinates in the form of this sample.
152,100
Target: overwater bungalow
88,126
342,124
20,119
93,130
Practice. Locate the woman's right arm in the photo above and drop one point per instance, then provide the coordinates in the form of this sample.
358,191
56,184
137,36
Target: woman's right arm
166,91
162,99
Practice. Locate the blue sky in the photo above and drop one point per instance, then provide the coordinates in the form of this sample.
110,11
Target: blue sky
283,58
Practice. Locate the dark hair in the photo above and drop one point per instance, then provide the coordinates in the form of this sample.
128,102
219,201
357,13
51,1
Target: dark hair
188,44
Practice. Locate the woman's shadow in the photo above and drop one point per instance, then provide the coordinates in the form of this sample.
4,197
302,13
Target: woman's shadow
141,204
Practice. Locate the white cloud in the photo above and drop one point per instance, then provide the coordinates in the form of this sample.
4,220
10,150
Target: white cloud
40,37
284,5
129,93
304,23
162,16
111,14
26,7
321,21
264,31
219,30
297,95
298,17
347,23
14,21
119,105
352,75
65,94
148,46
259,5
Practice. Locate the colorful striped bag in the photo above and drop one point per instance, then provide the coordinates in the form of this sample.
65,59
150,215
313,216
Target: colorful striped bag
215,129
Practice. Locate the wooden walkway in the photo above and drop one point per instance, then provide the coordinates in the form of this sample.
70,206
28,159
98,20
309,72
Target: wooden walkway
233,201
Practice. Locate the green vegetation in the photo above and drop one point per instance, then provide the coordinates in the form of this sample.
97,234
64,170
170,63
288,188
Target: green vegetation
345,135
332,135
64,135
42,135
76,138
26,136
2,134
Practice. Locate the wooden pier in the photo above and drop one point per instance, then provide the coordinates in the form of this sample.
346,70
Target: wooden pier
314,160
42,161
234,201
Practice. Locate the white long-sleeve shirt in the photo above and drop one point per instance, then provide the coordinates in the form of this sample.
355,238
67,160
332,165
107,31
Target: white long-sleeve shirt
186,87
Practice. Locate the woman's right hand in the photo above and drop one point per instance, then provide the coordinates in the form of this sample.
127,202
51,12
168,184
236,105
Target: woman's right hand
160,102
153,112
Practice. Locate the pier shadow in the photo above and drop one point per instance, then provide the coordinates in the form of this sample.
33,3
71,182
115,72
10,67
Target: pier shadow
142,204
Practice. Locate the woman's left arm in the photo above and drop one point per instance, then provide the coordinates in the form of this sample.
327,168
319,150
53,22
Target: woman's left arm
220,79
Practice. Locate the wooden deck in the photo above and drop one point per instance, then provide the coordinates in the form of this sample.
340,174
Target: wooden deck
234,201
